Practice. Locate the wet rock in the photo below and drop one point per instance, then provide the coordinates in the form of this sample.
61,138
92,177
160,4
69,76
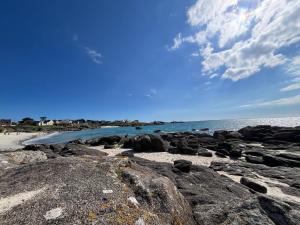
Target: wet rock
253,185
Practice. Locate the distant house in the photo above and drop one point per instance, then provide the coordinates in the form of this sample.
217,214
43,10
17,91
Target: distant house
63,122
46,123
5,122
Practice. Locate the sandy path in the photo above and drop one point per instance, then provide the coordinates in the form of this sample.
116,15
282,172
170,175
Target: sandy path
14,141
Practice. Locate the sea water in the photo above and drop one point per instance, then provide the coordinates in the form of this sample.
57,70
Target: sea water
212,125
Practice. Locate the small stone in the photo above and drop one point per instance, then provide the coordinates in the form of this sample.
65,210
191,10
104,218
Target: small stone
107,191
140,221
53,213
133,201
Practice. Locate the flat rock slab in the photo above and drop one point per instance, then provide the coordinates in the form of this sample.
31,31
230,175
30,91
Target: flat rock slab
88,190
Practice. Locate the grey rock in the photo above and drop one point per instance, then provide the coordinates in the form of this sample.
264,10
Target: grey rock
253,185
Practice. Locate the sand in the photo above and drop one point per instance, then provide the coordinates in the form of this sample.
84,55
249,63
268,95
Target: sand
272,191
14,141
8,203
167,157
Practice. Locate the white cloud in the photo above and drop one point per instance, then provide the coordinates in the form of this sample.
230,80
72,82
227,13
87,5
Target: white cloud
293,69
294,100
291,87
94,55
151,93
241,37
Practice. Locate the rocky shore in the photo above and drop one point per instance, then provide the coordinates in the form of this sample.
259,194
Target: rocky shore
253,177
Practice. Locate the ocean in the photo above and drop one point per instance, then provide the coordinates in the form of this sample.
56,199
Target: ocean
212,125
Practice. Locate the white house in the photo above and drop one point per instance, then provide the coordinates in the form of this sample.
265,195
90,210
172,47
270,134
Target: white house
46,123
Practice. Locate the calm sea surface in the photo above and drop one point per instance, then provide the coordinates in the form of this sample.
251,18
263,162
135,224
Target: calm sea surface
213,125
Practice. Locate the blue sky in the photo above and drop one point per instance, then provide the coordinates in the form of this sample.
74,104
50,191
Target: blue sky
150,60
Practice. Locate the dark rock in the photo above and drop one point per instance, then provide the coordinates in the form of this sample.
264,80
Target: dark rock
254,153
270,134
107,146
126,154
280,213
225,146
183,165
204,153
214,199
270,160
149,143
235,153
289,156
110,140
78,150
224,134
254,159
295,185
173,150
221,155
128,142
250,183
204,129
138,128
78,141
156,131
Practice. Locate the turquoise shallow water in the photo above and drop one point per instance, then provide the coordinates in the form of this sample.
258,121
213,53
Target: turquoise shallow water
213,125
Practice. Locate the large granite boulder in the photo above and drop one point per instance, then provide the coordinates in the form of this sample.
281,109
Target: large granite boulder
149,143
90,190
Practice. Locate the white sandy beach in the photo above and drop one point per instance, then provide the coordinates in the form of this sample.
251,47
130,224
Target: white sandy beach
14,141
167,157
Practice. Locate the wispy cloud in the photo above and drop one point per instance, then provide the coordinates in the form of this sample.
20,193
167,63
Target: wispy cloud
151,93
293,69
94,55
241,36
291,87
294,100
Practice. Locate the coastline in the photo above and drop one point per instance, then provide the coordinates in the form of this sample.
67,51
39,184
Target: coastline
14,141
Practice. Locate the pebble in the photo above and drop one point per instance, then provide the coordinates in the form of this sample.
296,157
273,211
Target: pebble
107,191
53,213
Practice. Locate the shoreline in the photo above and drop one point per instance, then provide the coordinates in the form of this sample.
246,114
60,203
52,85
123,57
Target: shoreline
15,141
